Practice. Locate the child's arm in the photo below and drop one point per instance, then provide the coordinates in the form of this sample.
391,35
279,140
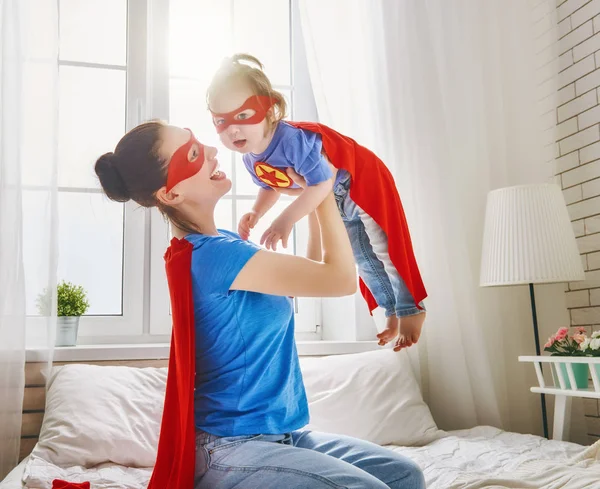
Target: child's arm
264,201
307,202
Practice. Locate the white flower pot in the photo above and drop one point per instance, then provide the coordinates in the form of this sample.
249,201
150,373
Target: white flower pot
66,330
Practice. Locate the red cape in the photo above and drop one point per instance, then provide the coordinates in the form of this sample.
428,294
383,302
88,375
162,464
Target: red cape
374,191
175,460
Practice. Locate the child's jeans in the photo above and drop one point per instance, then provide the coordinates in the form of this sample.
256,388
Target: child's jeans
370,248
300,460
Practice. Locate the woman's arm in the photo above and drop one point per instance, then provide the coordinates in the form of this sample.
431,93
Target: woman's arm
279,274
314,250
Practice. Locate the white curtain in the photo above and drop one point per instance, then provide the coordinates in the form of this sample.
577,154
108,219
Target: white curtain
448,95
28,200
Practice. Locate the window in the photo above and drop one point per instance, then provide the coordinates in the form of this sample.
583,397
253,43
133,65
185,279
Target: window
123,62
97,244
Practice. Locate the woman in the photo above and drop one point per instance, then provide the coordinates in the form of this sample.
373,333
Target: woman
249,399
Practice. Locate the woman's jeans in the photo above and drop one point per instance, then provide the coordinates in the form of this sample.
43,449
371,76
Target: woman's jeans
300,460
370,249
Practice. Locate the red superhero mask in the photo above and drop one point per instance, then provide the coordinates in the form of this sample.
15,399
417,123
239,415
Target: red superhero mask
180,167
260,104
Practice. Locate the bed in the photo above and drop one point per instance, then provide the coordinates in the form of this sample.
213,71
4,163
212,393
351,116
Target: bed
112,445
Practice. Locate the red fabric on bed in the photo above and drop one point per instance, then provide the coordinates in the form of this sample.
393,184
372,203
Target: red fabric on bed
59,484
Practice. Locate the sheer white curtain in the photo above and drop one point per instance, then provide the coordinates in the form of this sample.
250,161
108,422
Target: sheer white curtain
28,210
447,94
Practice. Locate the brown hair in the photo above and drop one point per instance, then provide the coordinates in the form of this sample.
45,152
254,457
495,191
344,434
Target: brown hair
249,70
136,171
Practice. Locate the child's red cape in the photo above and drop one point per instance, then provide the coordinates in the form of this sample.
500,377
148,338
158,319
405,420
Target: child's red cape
175,460
374,191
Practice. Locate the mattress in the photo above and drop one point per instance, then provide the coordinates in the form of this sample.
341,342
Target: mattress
481,457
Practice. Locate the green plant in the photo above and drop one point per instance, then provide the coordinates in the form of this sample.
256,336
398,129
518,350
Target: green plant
71,300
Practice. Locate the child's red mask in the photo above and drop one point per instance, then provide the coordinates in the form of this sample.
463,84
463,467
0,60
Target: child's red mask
260,104
180,167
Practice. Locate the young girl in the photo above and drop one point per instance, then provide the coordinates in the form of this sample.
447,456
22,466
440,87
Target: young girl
248,115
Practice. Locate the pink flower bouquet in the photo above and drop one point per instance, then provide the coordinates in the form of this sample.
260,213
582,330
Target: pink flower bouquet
565,345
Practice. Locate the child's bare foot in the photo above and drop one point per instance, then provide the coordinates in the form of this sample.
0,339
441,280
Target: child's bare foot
390,331
410,330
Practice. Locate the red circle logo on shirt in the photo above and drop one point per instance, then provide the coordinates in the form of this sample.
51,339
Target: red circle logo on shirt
273,177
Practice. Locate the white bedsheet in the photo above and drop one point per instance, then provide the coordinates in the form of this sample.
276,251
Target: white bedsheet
481,457
486,457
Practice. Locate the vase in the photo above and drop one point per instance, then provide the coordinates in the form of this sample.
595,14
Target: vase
66,330
580,372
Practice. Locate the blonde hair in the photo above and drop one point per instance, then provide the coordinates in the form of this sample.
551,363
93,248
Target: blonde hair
246,69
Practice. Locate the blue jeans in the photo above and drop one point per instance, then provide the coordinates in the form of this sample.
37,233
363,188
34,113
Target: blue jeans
300,460
370,248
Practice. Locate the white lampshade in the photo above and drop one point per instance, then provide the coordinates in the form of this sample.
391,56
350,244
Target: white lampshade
528,238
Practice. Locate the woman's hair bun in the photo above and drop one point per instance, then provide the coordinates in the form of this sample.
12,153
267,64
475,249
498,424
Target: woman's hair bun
111,179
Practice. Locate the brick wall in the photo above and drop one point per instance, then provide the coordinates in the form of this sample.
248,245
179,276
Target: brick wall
578,158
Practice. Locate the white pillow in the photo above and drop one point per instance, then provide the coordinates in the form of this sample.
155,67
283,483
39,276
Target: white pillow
373,396
112,414
102,414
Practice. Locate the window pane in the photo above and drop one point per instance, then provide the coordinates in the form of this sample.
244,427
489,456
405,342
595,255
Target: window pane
270,44
93,31
39,123
199,37
91,248
244,206
187,108
37,222
91,121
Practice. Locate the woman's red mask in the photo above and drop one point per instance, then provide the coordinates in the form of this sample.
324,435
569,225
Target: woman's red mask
260,104
180,166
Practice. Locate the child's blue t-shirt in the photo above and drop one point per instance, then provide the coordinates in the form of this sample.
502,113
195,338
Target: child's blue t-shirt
290,147
248,378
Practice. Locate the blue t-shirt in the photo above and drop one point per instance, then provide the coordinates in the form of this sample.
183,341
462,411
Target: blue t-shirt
290,147
248,378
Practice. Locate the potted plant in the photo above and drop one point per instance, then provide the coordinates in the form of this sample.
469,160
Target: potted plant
71,305
564,345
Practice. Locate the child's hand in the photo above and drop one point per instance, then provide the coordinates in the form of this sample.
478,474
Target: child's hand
247,222
280,229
